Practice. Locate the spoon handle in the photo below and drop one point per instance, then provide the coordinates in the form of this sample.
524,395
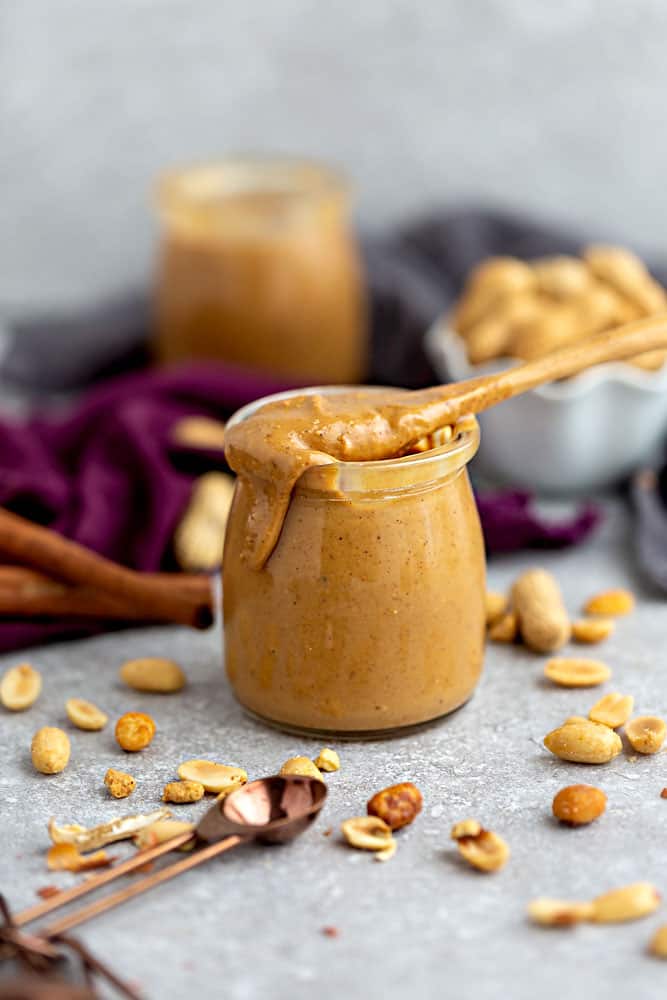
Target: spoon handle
480,393
103,878
129,892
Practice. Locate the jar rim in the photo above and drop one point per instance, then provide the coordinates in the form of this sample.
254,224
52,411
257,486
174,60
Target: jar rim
203,183
423,466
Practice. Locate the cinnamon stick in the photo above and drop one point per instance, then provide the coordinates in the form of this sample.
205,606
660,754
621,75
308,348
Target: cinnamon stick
104,588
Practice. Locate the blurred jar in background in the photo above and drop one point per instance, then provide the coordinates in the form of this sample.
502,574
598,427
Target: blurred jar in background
259,266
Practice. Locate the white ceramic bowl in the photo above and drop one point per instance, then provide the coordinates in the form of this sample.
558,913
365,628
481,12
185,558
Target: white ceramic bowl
574,436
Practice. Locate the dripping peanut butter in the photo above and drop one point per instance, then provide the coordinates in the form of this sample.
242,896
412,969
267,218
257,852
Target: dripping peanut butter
353,581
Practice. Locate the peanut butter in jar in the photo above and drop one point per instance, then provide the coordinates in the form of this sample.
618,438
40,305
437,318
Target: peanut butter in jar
259,267
353,590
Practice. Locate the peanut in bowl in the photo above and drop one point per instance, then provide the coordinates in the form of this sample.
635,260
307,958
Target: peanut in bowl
579,434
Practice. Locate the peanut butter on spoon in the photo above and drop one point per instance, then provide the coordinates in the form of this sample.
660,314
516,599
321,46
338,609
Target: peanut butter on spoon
277,443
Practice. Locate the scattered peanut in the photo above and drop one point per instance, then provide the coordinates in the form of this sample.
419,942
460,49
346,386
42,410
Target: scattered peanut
50,750
629,903
159,833
20,687
119,783
658,945
558,912
481,848
505,629
387,852
66,857
584,742
216,778
183,791
397,805
89,838
85,715
646,733
569,672
368,833
496,606
134,731
579,804
199,538
610,603
154,674
302,766
592,630
198,431
612,710
327,760
541,616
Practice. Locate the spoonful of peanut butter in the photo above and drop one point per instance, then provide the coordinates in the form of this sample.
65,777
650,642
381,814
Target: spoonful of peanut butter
277,443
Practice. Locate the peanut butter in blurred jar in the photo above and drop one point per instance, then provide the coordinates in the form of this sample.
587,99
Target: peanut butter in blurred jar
259,267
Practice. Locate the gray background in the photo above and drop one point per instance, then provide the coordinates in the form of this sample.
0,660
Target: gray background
552,107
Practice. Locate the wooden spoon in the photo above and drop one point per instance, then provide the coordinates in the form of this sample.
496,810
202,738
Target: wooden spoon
427,410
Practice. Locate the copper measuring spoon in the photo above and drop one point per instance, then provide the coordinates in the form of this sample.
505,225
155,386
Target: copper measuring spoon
271,810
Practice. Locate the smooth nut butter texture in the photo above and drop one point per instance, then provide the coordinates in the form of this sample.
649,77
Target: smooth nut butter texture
354,591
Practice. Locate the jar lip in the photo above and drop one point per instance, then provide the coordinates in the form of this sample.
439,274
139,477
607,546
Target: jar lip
461,447
206,182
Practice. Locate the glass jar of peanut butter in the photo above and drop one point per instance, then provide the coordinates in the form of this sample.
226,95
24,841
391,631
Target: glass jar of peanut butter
259,266
368,617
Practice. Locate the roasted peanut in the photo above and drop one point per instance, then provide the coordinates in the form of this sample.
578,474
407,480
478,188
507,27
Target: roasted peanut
561,277
496,606
20,687
481,848
558,912
134,731
610,603
568,672
592,630
154,674
199,538
507,273
397,805
160,832
302,766
368,833
584,742
658,945
50,750
487,339
579,804
66,857
542,619
612,710
119,783
629,903
625,272
85,715
216,778
646,733
183,791
327,760
505,629
198,431
89,838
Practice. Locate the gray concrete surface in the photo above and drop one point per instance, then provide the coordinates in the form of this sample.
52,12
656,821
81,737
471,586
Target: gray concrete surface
421,926
555,108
